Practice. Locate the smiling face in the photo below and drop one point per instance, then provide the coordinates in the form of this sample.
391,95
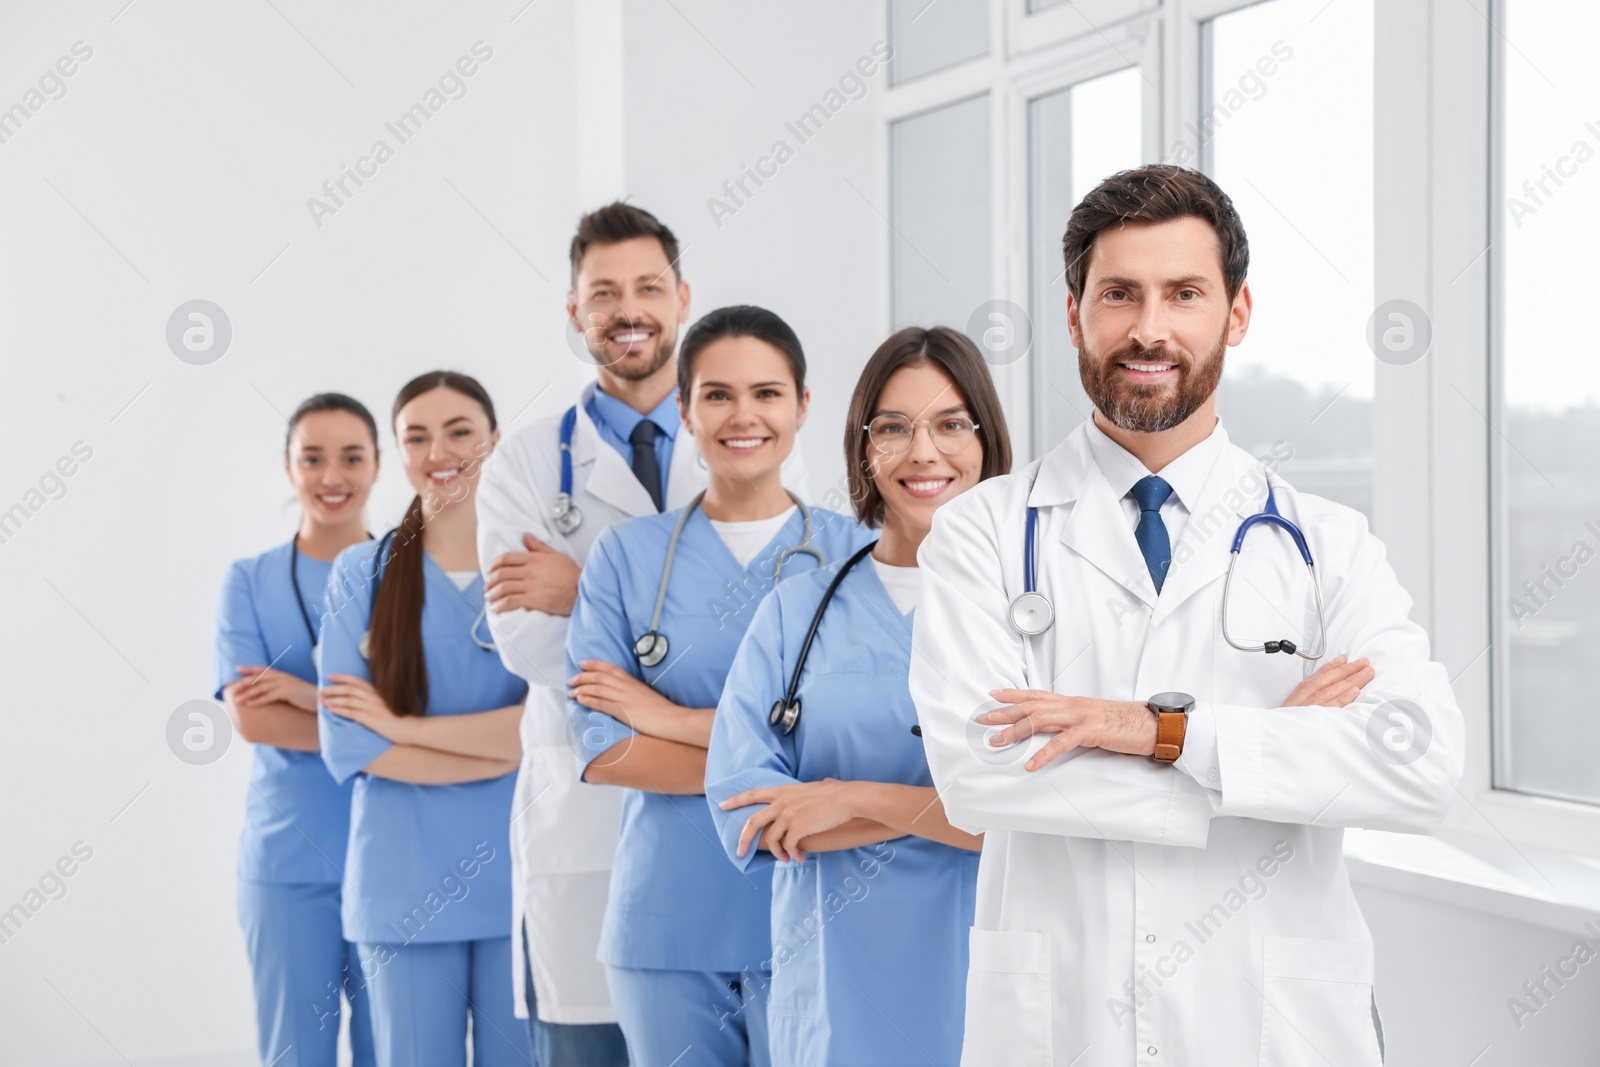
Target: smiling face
1154,322
743,407
917,480
332,464
444,438
628,302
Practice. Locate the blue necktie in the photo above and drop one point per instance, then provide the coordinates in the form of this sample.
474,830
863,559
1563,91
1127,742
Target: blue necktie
1151,533
645,466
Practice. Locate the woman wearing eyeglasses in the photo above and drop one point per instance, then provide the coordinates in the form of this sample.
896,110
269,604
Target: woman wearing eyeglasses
873,888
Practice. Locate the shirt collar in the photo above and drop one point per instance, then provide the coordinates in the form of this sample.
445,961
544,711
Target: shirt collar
620,419
1187,474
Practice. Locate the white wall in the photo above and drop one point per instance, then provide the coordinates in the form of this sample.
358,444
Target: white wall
190,142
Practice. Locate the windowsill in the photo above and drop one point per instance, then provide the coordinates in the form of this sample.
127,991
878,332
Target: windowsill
1547,888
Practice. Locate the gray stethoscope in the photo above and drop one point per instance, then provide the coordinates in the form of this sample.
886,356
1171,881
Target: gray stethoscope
566,515
1031,612
651,646
383,558
785,714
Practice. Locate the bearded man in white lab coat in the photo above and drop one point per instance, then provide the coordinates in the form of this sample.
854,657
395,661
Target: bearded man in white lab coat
1162,879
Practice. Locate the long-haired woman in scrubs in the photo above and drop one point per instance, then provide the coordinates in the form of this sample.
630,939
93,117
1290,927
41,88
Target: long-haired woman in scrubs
873,888
291,853
417,707
686,935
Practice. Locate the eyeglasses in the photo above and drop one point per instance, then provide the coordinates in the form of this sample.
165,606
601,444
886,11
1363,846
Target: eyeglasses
893,433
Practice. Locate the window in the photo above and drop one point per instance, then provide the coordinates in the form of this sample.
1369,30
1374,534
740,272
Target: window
939,244
1546,467
1077,136
930,35
1286,129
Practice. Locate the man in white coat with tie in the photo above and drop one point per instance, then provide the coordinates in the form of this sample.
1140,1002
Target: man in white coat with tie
1162,879
544,496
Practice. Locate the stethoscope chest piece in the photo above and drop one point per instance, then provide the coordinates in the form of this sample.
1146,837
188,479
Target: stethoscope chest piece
785,715
364,645
1031,613
566,515
651,648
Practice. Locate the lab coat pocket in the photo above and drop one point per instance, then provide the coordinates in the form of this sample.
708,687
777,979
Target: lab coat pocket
1008,999
1318,1006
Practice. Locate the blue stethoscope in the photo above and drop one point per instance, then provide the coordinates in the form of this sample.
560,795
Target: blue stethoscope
651,646
1032,613
566,515
364,644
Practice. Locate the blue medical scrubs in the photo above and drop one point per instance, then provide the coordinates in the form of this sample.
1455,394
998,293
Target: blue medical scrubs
428,894
869,945
686,934
291,853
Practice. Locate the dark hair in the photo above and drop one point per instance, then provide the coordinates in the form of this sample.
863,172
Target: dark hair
1157,192
955,354
740,320
399,672
331,402
618,222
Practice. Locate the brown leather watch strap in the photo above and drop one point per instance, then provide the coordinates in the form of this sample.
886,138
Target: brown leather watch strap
1169,735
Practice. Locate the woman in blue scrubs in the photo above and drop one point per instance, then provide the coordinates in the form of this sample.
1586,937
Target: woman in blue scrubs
296,818
873,888
686,934
417,707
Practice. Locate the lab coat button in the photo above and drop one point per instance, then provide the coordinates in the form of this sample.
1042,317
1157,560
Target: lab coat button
1151,1050
1150,938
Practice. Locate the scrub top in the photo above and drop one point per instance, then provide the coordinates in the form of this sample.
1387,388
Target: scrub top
869,944
676,903
296,817
426,863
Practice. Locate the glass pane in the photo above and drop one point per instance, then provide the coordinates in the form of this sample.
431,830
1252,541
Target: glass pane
1549,445
1043,5
1286,130
930,35
1077,137
939,210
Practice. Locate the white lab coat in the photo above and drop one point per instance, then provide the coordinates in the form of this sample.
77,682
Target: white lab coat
1199,914
563,831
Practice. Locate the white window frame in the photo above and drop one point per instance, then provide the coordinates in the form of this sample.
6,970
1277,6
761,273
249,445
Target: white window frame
1434,221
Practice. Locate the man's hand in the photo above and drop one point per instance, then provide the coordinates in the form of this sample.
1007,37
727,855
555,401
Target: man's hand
540,579
1129,726
1332,685
1078,722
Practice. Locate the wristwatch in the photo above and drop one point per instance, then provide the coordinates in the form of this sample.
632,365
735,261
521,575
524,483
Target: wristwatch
1172,716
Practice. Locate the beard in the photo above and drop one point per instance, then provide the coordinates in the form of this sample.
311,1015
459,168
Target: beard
640,364
1145,408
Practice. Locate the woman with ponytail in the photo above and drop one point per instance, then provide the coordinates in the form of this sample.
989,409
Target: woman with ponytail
417,707
296,818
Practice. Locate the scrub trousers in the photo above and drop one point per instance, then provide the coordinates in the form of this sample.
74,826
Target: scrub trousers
423,993
298,957
715,1018
569,1044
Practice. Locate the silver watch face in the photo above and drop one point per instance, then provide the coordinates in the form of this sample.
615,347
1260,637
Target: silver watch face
1171,702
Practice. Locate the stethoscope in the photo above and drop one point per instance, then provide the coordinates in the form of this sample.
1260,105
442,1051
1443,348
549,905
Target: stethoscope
299,599
364,644
651,646
1032,613
785,714
1270,515
566,515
